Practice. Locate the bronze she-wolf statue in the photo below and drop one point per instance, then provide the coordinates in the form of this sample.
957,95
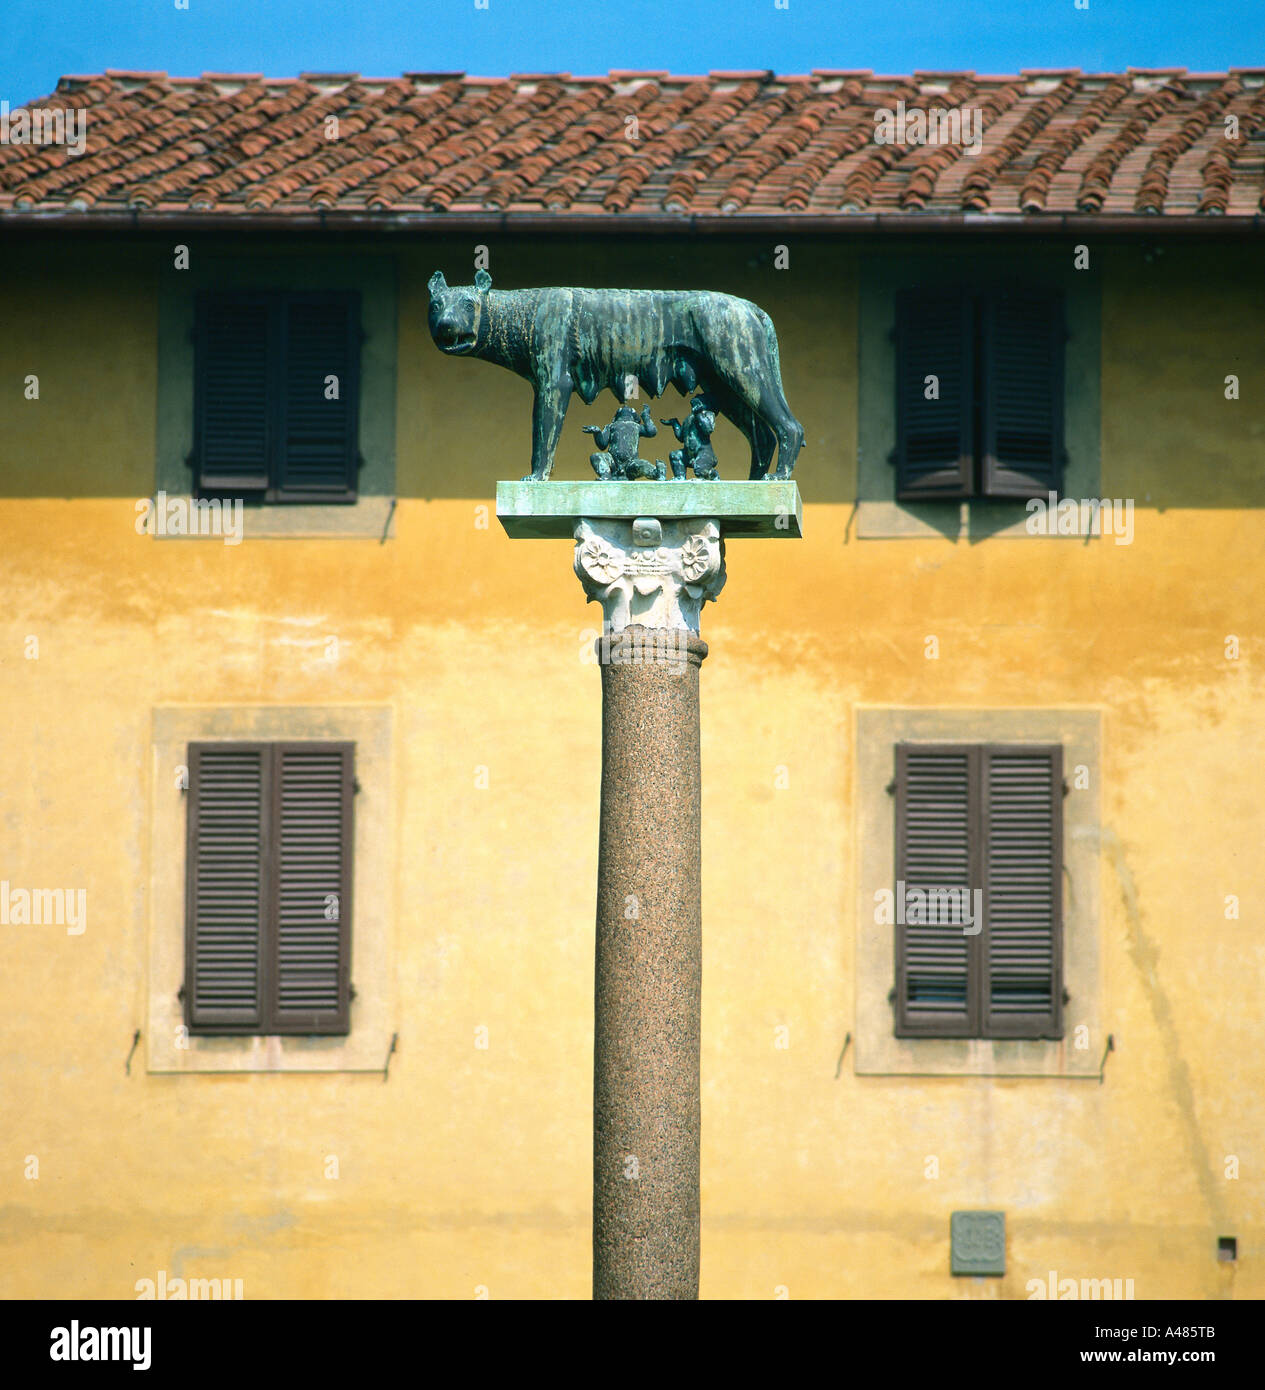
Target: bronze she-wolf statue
564,340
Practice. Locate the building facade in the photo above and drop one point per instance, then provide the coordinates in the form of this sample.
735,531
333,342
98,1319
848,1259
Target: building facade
399,1103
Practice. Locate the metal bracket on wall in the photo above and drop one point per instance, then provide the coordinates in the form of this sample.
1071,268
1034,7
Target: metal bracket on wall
839,1067
387,527
127,1066
386,1066
1111,1047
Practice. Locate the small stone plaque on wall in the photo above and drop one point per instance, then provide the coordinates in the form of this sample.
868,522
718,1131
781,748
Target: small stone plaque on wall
977,1242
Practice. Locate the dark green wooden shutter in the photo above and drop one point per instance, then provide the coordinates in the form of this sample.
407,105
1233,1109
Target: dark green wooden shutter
314,850
1022,334
934,438
234,371
936,847
319,454
226,886
1023,891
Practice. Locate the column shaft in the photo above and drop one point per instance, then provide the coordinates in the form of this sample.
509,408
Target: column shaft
649,970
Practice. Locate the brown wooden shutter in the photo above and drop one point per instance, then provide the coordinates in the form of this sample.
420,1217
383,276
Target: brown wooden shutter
269,888
937,793
319,456
235,356
934,453
1022,333
314,834
1022,992
226,888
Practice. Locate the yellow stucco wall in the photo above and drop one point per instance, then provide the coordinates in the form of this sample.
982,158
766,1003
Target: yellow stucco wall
470,1167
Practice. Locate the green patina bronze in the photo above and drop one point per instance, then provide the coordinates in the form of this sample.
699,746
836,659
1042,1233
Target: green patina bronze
618,444
695,433
587,341
768,509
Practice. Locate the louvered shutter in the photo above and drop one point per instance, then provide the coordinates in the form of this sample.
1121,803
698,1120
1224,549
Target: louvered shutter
234,368
319,456
936,847
313,817
1022,798
1022,338
934,448
226,886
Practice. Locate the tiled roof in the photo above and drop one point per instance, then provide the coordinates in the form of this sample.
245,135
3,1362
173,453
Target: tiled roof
648,144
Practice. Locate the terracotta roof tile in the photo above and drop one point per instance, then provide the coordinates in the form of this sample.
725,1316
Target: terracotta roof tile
636,143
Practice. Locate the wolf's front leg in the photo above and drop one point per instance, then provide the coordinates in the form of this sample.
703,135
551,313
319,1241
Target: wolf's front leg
547,415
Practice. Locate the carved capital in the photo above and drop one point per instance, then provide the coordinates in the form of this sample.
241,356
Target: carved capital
648,571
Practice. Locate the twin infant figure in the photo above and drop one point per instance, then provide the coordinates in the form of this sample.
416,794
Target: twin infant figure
619,441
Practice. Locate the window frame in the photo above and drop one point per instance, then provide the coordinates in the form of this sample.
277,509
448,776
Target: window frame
869,870
869,480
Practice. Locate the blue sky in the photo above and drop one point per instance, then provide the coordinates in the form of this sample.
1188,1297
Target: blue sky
382,38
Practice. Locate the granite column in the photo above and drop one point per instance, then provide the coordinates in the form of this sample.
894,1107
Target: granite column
648,994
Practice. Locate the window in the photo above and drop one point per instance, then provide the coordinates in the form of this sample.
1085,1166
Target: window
268,888
979,393
978,901
276,395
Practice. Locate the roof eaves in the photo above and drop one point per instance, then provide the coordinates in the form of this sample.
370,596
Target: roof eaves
633,223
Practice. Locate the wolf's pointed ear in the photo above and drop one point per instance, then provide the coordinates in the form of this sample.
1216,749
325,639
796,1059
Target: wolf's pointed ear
482,281
436,283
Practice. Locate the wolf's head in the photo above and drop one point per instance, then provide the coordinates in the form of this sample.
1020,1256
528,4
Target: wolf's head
458,313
